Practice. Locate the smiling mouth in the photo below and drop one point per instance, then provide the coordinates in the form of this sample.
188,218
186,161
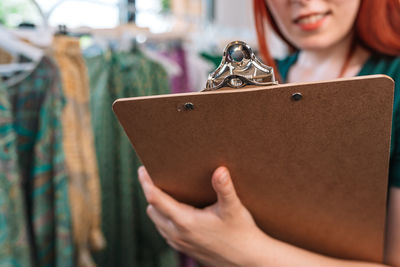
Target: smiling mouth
311,18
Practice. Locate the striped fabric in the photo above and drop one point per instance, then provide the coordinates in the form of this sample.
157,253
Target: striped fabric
80,155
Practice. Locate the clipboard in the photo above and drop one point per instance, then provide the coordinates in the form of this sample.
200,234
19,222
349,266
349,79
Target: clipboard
309,160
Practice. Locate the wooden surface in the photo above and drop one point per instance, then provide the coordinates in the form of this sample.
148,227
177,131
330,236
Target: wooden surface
312,172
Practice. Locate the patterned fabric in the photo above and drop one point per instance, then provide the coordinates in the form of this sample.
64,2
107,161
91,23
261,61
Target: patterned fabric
132,239
14,242
78,144
376,64
37,103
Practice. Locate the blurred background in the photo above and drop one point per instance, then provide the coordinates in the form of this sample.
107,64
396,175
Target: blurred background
69,194
209,24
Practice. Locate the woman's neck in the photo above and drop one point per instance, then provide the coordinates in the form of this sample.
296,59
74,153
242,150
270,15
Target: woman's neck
334,53
328,63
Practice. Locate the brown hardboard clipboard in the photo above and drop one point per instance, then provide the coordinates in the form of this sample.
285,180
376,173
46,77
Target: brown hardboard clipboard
313,172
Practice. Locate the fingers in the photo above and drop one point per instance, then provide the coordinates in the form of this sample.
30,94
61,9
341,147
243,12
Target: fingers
144,175
166,228
223,186
161,201
162,223
228,201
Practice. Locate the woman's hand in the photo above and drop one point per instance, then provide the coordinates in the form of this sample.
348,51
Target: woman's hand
223,234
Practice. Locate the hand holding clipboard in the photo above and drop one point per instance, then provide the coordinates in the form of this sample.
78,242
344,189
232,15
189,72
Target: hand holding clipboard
295,151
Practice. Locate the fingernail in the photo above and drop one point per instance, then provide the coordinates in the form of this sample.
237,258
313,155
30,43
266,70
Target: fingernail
141,170
145,188
223,177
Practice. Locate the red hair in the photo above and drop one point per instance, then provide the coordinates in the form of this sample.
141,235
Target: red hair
377,27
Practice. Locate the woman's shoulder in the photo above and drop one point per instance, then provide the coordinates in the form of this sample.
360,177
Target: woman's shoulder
382,64
389,65
285,63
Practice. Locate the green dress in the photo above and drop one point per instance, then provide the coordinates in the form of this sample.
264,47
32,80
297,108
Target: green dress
132,239
376,64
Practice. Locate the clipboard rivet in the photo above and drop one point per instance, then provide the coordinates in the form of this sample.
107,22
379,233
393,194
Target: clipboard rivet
189,106
297,96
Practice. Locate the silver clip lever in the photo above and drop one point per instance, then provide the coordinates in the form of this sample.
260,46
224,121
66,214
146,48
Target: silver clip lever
239,68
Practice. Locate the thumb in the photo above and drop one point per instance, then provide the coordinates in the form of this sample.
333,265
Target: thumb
223,186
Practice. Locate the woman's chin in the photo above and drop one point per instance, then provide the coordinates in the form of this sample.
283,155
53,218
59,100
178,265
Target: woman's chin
314,44
318,41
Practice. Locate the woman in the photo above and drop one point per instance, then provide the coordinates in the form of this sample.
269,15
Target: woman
343,38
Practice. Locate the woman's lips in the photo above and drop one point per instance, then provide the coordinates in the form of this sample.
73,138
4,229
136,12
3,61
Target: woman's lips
311,22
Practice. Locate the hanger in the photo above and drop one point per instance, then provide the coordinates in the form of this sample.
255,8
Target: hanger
15,47
42,14
7,70
11,44
171,67
40,36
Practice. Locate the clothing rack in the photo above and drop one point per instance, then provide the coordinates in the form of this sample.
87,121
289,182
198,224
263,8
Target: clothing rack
42,14
131,12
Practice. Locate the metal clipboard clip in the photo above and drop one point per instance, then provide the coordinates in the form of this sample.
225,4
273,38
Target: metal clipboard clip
239,68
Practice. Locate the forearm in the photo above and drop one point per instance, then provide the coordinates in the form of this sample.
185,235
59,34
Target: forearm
271,252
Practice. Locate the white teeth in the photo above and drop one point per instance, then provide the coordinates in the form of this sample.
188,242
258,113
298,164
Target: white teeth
310,19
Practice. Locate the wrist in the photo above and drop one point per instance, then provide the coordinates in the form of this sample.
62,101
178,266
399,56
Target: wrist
257,250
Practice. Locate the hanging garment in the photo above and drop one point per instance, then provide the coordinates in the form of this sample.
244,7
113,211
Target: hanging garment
215,59
179,83
80,156
37,103
198,70
132,239
186,261
14,242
